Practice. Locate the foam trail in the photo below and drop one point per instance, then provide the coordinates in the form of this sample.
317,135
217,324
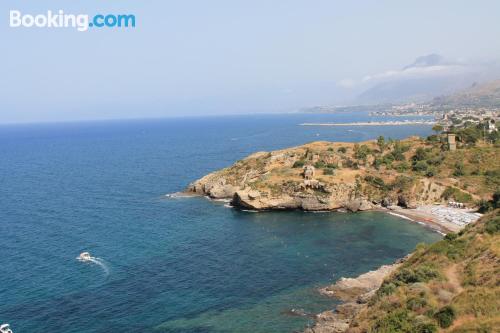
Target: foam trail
101,263
402,216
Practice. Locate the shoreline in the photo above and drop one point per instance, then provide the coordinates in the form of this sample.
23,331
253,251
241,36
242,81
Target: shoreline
424,215
374,123
354,294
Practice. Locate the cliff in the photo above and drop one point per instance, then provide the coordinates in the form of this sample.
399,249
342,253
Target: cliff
330,176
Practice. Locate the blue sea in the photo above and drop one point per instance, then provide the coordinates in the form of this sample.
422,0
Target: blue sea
172,264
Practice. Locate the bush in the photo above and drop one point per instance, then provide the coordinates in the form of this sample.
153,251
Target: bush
445,316
386,288
492,226
436,160
319,165
376,181
451,236
420,154
361,152
397,321
459,169
422,273
329,171
402,167
420,166
431,172
426,328
342,150
402,182
298,164
455,193
415,303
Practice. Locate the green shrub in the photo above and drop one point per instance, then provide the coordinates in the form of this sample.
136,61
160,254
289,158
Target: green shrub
415,303
459,169
361,152
376,181
397,321
329,171
319,165
437,160
420,166
431,172
492,226
342,150
451,236
298,164
445,316
421,273
426,328
402,167
386,288
454,249
420,154
455,193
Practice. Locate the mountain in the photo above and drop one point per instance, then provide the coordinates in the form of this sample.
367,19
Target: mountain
477,95
427,77
427,60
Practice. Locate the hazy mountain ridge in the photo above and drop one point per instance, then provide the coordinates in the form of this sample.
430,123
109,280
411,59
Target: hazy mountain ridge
428,77
477,95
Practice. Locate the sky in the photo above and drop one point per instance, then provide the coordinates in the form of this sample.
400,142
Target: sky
187,57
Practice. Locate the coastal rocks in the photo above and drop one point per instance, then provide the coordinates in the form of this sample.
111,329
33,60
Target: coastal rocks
355,293
386,202
405,201
348,289
358,204
212,186
249,199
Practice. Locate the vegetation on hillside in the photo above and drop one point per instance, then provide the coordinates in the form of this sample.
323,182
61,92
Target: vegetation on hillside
450,286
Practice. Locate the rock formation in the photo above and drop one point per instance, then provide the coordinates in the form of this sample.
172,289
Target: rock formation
326,176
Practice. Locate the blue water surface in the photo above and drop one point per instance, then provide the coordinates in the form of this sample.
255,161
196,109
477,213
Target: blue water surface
172,264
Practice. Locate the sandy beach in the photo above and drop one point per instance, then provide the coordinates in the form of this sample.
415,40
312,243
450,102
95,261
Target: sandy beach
442,218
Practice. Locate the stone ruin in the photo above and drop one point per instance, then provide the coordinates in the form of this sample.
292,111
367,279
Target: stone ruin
309,171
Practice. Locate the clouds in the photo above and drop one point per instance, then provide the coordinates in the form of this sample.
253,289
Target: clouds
423,67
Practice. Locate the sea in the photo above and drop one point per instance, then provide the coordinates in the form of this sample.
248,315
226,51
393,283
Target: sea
168,263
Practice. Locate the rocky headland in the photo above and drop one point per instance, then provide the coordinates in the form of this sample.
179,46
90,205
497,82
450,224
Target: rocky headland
328,176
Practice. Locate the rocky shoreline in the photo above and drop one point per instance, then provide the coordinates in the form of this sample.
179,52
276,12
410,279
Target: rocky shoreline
354,294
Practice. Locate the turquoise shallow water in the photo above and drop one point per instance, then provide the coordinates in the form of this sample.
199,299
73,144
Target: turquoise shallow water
171,265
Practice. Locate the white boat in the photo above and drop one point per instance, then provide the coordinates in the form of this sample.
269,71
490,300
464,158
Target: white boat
84,256
5,328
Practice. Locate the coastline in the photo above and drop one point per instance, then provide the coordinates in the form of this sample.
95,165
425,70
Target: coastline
427,215
424,214
374,123
354,294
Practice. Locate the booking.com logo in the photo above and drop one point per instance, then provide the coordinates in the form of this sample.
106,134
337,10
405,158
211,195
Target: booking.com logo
81,22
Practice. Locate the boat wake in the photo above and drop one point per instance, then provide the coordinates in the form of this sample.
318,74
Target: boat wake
178,195
86,257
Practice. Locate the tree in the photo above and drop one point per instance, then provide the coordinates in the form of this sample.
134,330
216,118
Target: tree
459,169
381,143
437,128
420,154
361,152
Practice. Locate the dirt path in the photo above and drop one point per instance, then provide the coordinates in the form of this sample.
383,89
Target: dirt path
452,276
